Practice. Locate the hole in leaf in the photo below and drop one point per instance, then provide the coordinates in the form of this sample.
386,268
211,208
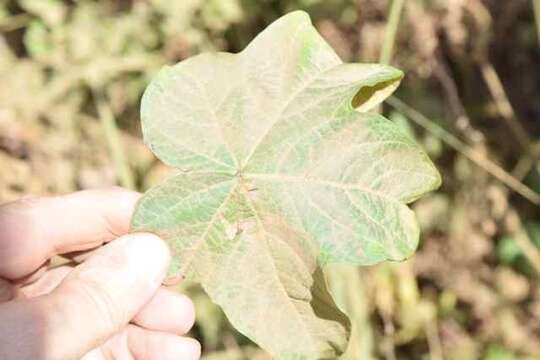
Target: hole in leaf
369,96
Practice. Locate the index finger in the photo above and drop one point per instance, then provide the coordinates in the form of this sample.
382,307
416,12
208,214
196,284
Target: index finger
34,230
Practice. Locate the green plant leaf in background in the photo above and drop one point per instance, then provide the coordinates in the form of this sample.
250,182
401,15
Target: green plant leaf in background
281,169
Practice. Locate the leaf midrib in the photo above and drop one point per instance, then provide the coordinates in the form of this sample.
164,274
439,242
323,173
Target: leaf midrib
276,272
316,181
279,114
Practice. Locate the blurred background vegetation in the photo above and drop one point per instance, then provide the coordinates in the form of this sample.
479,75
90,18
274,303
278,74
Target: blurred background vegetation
72,74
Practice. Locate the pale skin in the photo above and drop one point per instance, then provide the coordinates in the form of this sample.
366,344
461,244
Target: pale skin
107,304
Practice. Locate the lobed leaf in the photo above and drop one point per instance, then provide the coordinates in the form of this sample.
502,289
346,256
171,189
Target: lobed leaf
281,170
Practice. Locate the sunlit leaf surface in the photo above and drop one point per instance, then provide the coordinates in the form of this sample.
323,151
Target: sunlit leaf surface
281,169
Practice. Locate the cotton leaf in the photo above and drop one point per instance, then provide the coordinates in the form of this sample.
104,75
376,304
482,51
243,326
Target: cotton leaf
281,169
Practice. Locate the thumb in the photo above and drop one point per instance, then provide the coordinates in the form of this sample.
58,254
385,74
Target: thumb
97,299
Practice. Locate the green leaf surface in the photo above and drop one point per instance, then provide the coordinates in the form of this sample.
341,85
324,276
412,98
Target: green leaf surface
281,169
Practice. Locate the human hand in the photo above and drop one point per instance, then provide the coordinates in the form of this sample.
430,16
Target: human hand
111,306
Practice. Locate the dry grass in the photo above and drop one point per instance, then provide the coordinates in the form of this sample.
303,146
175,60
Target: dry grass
73,74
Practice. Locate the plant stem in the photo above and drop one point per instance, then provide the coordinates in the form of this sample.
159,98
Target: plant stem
536,7
390,31
112,136
526,162
496,88
348,290
476,157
